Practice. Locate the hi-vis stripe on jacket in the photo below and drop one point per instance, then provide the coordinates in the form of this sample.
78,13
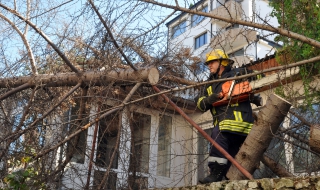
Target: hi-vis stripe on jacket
235,118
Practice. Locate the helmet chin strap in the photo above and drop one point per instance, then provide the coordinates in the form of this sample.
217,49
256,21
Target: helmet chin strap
217,73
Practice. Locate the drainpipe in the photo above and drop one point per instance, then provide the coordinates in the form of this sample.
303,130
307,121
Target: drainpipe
168,37
93,148
205,135
256,46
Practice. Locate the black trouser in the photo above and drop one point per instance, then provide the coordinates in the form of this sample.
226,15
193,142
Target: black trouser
230,142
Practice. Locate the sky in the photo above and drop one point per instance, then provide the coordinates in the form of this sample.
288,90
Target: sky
70,10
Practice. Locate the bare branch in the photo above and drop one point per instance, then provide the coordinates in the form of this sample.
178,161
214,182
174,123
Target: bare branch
111,36
15,90
61,54
25,42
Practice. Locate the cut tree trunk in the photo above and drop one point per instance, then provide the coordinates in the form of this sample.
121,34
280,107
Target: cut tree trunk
314,141
94,78
269,119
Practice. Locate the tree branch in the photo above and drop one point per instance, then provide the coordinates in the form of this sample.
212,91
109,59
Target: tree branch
275,167
25,42
61,54
111,36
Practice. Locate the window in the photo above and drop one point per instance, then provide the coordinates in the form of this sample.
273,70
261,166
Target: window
76,146
107,138
275,151
110,183
200,41
203,152
232,26
136,182
201,68
164,146
179,29
139,157
304,160
239,52
196,19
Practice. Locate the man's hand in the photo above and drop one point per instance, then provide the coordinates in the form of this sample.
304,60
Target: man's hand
205,103
212,98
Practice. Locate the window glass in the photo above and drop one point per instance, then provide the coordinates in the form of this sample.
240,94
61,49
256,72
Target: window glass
200,41
201,68
196,19
304,160
239,52
137,182
164,146
107,139
276,152
232,26
179,29
76,146
110,183
203,153
139,157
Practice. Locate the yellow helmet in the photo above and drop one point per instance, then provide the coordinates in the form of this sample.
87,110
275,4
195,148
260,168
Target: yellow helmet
218,54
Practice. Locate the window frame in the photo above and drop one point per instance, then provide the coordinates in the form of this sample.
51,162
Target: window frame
142,130
106,139
205,34
78,148
181,26
302,166
165,148
196,19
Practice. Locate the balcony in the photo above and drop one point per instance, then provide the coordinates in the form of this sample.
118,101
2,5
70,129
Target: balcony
230,9
241,60
232,39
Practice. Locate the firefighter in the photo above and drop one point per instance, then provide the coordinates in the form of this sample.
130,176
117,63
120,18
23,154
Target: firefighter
232,123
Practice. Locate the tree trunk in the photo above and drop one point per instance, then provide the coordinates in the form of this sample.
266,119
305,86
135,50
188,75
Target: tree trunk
269,119
96,78
275,167
314,141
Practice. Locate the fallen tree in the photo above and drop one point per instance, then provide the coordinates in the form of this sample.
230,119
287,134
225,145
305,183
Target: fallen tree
269,120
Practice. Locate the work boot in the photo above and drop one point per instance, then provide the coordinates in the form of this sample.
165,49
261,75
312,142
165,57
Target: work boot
217,171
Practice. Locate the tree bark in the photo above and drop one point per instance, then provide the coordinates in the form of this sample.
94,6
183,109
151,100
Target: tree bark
96,78
314,141
275,167
260,136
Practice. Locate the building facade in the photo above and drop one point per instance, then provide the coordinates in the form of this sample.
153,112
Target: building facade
201,34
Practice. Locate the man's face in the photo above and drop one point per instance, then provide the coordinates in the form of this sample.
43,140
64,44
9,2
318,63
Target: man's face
213,66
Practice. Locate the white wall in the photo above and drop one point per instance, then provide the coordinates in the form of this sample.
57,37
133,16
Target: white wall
75,175
186,40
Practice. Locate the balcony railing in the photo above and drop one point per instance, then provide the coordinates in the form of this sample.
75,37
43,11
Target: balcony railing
230,9
232,39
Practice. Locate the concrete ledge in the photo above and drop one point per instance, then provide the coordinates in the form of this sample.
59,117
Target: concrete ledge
301,183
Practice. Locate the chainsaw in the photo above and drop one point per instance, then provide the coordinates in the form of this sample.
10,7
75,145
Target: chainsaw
235,92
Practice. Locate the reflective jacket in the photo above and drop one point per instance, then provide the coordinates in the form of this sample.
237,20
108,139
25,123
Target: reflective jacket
235,118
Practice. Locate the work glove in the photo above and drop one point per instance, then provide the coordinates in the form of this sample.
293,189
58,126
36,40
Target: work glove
206,102
211,99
